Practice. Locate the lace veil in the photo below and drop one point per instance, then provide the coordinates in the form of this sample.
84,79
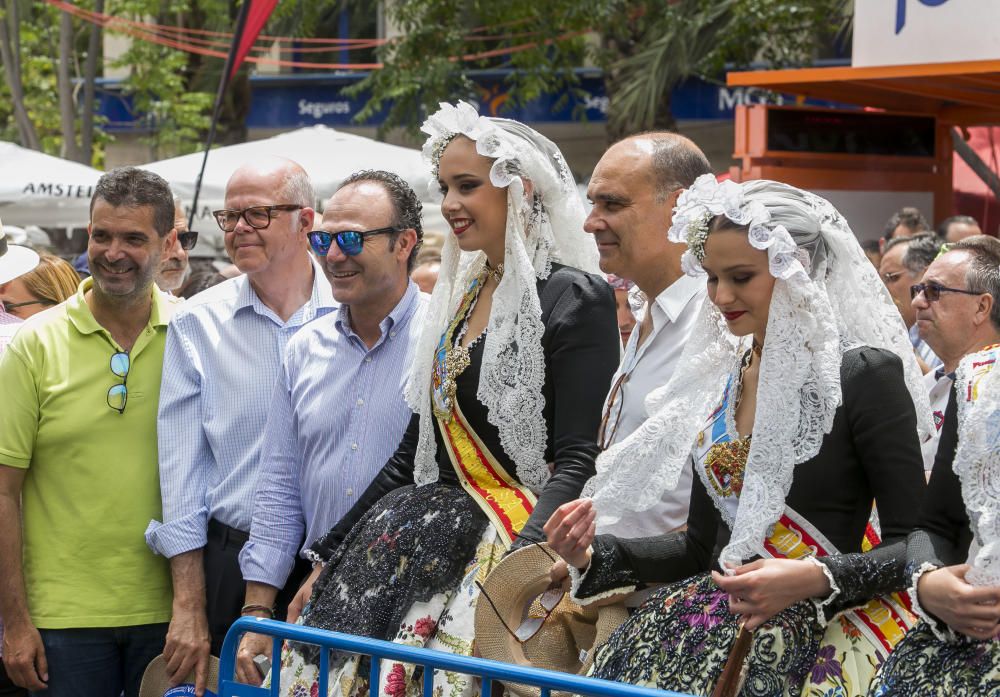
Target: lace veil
827,299
543,226
977,463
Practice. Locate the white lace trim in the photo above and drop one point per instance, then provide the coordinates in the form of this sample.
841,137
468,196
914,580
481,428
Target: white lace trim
977,461
312,556
822,603
576,578
814,318
542,227
936,625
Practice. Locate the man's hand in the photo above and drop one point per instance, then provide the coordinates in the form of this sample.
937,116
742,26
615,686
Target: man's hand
24,656
763,588
971,610
251,645
188,647
570,531
302,597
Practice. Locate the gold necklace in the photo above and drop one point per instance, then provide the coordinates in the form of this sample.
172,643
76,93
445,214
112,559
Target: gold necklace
495,273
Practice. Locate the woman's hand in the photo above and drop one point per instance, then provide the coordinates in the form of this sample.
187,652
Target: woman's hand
303,595
570,531
971,610
763,588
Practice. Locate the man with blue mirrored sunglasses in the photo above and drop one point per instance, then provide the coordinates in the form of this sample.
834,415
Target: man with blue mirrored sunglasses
337,413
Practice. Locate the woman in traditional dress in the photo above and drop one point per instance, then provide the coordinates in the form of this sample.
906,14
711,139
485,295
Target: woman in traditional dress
954,554
794,402
507,385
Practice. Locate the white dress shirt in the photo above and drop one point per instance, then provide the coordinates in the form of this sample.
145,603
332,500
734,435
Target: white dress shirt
643,369
938,384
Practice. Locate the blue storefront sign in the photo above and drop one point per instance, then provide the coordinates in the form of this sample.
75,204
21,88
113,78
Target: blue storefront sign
295,101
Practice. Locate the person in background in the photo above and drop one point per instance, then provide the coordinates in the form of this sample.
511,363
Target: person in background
14,262
903,262
957,313
906,222
200,281
873,251
957,228
48,284
428,263
175,268
626,318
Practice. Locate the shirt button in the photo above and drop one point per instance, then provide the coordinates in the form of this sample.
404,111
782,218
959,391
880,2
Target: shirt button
354,446
350,492
368,359
392,335
361,402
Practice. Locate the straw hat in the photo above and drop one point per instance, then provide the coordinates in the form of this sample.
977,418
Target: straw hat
566,640
14,260
155,682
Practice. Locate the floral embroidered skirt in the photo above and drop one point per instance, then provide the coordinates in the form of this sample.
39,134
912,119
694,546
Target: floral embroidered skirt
680,639
924,665
406,573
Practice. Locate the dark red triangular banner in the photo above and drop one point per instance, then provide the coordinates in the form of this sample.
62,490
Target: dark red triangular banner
256,13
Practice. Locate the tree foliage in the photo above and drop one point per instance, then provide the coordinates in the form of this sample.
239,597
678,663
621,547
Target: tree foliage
645,47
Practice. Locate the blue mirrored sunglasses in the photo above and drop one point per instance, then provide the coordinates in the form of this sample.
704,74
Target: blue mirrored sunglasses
351,242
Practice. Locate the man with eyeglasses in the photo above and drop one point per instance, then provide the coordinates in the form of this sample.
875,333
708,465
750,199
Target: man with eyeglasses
222,359
957,313
174,267
85,603
338,412
903,263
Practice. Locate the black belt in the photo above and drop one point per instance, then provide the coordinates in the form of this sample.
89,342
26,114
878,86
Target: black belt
224,534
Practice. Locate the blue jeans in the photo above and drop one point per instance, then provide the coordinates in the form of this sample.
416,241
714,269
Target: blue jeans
101,662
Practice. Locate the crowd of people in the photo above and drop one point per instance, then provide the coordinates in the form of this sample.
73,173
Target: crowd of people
759,458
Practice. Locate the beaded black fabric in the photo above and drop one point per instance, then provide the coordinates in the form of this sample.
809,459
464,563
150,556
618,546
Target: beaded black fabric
415,543
681,637
922,664
862,576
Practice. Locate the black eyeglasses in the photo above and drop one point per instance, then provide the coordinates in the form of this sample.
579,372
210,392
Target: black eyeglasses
932,291
118,394
188,239
548,601
257,217
351,242
7,307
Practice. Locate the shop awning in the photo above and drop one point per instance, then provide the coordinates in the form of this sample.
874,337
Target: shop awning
965,93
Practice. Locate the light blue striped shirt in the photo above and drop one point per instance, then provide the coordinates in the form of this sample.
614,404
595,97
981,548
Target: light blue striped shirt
337,415
220,365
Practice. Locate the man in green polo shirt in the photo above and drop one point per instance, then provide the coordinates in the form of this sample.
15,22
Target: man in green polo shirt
85,603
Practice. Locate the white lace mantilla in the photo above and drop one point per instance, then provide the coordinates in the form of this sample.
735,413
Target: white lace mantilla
543,226
977,461
827,299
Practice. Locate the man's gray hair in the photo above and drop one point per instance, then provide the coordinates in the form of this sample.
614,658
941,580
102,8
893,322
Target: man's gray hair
921,250
983,274
297,188
677,162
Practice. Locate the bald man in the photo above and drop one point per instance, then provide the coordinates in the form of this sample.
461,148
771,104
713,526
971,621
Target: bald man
222,360
634,189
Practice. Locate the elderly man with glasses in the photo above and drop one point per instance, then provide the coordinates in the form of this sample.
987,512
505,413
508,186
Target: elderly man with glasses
337,412
957,307
85,603
222,359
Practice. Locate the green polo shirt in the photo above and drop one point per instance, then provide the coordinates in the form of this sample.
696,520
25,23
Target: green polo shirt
92,483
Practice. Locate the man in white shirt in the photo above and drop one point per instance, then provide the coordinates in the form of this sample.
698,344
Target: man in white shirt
634,189
957,313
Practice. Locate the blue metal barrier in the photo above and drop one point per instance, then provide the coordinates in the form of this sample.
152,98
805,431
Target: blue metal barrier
431,661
